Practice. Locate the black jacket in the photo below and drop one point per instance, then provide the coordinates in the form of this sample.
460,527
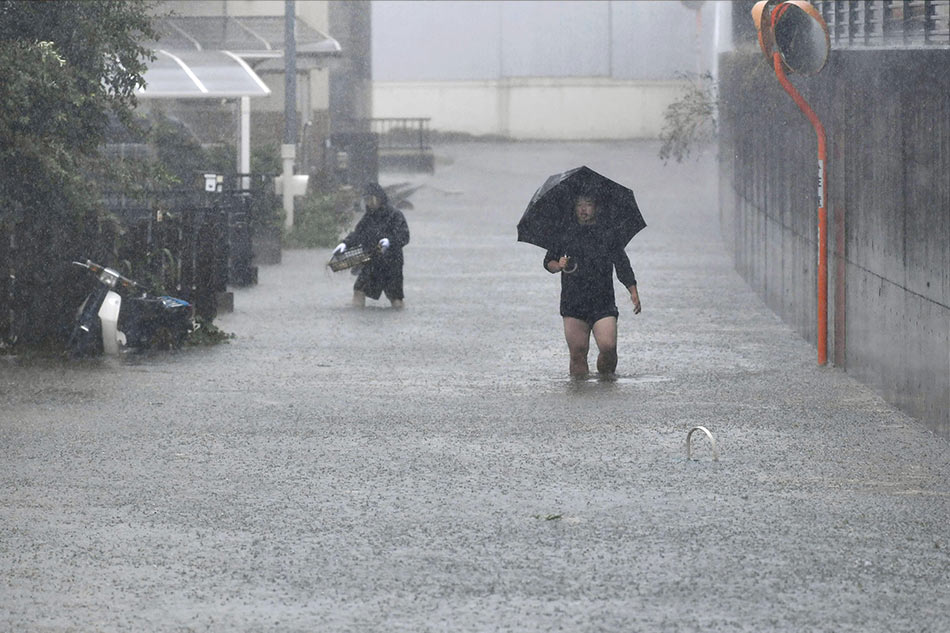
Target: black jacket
384,271
590,288
386,221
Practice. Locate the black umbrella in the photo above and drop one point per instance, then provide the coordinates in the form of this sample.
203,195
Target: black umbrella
551,210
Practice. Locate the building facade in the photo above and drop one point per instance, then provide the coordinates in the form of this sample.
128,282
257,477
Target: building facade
332,81
542,70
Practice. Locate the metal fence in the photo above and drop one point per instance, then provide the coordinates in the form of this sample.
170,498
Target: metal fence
182,248
191,244
172,223
402,133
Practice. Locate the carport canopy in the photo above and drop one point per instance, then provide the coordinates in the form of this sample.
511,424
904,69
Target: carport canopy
205,57
194,74
250,37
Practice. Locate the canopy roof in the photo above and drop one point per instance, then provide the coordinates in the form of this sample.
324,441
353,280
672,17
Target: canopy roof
212,56
200,75
250,37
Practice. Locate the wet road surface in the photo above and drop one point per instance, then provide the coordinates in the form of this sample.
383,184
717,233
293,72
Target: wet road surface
434,469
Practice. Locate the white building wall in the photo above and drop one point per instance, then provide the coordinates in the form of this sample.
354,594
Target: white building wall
533,108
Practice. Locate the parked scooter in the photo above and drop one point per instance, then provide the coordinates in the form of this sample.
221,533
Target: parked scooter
119,312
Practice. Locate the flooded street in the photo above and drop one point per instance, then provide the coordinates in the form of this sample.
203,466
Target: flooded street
434,469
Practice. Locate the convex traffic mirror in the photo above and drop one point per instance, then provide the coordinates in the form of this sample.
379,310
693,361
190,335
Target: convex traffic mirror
794,29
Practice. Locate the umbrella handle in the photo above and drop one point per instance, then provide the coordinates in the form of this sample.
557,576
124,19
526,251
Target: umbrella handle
570,260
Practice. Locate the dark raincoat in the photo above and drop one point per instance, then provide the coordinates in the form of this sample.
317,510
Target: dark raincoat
588,292
383,273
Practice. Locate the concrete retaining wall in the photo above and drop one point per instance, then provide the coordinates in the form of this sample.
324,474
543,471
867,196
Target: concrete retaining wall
887,116
578,108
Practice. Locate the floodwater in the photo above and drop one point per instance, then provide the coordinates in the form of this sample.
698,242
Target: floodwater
435,469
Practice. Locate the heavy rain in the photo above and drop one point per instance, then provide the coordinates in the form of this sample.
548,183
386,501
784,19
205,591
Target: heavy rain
335,448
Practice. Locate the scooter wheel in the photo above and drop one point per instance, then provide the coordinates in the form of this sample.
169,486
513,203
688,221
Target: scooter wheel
82,343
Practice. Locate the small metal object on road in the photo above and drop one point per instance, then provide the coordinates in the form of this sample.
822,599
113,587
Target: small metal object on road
712,440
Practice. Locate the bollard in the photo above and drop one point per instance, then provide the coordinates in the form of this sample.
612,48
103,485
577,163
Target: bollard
689,447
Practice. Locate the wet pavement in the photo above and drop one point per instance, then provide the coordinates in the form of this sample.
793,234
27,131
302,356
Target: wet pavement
434,469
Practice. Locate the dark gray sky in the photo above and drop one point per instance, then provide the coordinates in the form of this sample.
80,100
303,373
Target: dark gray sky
470,40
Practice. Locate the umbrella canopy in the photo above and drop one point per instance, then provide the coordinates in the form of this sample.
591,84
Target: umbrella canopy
551,210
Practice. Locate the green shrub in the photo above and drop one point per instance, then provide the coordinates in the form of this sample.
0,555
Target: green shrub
320,218
207,333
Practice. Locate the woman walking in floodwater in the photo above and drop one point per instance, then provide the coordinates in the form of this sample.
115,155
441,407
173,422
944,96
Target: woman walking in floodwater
586,258
382,228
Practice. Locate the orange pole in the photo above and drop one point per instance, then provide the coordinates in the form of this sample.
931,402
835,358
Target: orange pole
822,212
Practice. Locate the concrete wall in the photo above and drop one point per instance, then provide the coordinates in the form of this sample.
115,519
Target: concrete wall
590,108
887,116
469,41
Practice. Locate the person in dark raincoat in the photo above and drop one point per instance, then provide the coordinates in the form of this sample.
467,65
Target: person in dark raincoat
586,259
382,229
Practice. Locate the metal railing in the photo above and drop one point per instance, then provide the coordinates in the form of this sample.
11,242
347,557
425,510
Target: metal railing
887,23
402,133
402,142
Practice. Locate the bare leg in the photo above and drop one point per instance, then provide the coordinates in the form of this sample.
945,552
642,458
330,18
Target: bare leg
577,334
396,301
605,335
359,299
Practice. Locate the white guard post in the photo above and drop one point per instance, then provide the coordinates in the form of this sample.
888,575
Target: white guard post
288,151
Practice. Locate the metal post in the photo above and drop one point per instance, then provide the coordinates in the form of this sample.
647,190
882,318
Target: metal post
306,125
808,63
610,39
822,212
288,150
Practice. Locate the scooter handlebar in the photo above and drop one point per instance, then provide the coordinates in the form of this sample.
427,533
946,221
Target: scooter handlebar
98,269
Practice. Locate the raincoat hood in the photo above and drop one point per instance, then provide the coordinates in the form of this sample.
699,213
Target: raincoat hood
373,189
